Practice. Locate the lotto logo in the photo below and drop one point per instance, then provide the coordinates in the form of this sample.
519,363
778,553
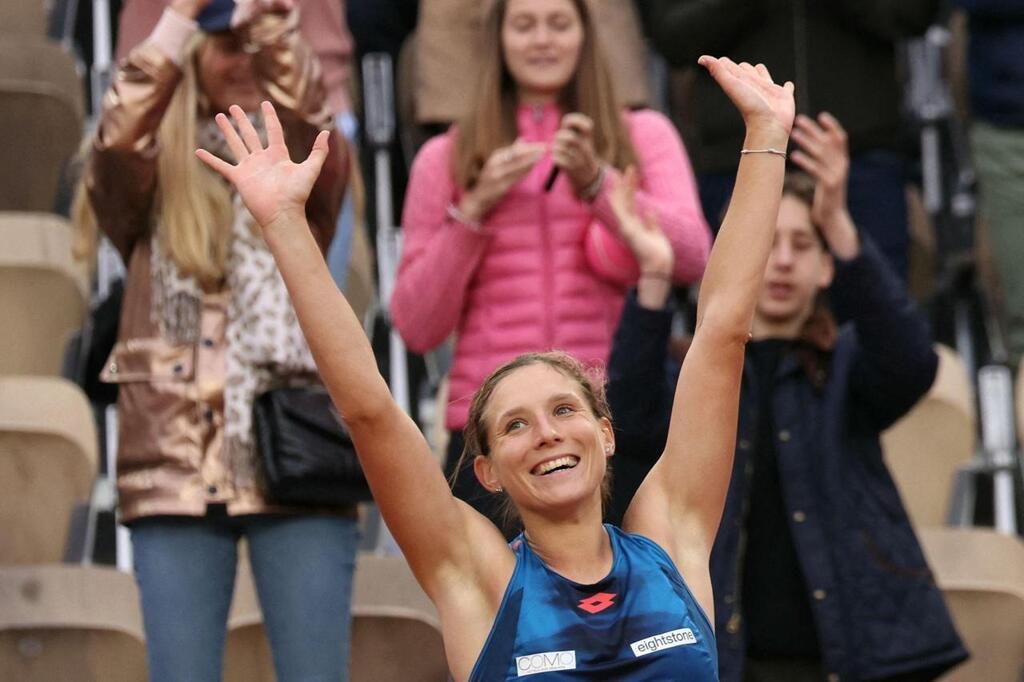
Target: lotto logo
597,603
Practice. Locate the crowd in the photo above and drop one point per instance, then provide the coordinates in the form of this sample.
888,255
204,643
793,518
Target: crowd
718,509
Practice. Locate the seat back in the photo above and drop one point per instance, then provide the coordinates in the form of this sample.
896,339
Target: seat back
396,635
42,293
22,19
48,462
981,574
64,622
925,449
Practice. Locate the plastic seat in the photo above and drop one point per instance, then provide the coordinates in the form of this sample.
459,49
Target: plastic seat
396,636
65,622
22,18
42,293
925,449
48,462
981,574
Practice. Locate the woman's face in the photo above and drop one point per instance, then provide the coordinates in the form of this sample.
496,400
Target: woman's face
226,74
541,41
548,450
798,267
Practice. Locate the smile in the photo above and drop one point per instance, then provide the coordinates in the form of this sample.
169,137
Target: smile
552,465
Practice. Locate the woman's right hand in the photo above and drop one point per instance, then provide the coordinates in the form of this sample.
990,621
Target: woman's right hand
504,168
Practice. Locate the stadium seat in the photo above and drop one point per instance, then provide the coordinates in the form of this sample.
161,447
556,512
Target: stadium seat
66,622
396,636
42,293
925,449
981,574
22,19
48,462
41,121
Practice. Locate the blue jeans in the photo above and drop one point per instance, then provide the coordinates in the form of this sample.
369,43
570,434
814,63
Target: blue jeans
875,194
302,566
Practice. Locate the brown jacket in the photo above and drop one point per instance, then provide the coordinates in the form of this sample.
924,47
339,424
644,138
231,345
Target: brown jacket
170,404
449,36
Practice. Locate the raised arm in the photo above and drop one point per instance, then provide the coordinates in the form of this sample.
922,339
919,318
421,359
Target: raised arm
680,503
441,537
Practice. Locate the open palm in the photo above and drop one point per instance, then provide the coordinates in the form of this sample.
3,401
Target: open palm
751,88
270,184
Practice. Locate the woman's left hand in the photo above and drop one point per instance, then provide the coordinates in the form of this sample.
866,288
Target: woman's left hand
573,150
270,184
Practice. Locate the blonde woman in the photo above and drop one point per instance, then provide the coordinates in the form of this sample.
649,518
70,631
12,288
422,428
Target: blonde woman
206,326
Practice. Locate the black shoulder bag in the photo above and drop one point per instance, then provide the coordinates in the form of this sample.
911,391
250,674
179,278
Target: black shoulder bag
305,451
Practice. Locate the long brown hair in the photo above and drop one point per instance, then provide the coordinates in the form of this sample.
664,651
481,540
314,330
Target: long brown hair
491,121
477,436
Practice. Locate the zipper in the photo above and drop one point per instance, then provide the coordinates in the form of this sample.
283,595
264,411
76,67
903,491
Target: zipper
547,258
732,626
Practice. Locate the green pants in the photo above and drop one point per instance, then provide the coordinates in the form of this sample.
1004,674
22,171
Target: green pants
999,160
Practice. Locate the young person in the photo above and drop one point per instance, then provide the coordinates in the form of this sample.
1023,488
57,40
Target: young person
816,569
570,593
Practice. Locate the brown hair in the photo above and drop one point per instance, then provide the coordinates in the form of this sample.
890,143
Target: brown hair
476,434
819,333
491,121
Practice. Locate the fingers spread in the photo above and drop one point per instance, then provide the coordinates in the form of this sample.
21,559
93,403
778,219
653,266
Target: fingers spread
273,125
246,129
316,157
217,164
806,162
238,149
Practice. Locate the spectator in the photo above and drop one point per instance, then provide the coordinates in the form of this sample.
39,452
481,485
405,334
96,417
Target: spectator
489,254
839,54
817,572
996,57
206,326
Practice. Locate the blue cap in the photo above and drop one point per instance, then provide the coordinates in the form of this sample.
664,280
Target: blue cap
216,16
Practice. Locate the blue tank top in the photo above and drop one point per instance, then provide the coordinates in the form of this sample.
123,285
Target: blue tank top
639,623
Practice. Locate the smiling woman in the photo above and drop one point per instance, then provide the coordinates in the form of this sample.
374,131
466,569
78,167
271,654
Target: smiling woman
571,597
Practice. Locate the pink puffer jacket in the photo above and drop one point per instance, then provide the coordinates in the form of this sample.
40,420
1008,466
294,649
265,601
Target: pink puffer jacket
547,270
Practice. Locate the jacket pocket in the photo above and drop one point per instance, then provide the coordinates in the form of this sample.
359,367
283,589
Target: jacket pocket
150,360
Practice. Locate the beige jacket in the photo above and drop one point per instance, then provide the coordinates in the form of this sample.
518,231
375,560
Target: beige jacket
170,403
448,37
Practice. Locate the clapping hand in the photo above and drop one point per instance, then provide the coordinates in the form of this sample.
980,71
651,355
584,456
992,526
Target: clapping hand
271,185
504,168
573,150
643,234
824,156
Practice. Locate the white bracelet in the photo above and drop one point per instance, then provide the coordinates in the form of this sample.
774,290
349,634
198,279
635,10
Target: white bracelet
768,150
462,219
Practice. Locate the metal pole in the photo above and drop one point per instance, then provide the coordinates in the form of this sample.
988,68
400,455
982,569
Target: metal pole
378,99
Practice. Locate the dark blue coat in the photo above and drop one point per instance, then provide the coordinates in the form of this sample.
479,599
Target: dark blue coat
877,609
996,58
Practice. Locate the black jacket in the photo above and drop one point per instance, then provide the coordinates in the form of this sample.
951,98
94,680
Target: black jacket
996,56
838,53
877,609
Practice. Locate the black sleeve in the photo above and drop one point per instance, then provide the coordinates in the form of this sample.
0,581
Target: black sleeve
889,20
639,390
682,30
894,363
